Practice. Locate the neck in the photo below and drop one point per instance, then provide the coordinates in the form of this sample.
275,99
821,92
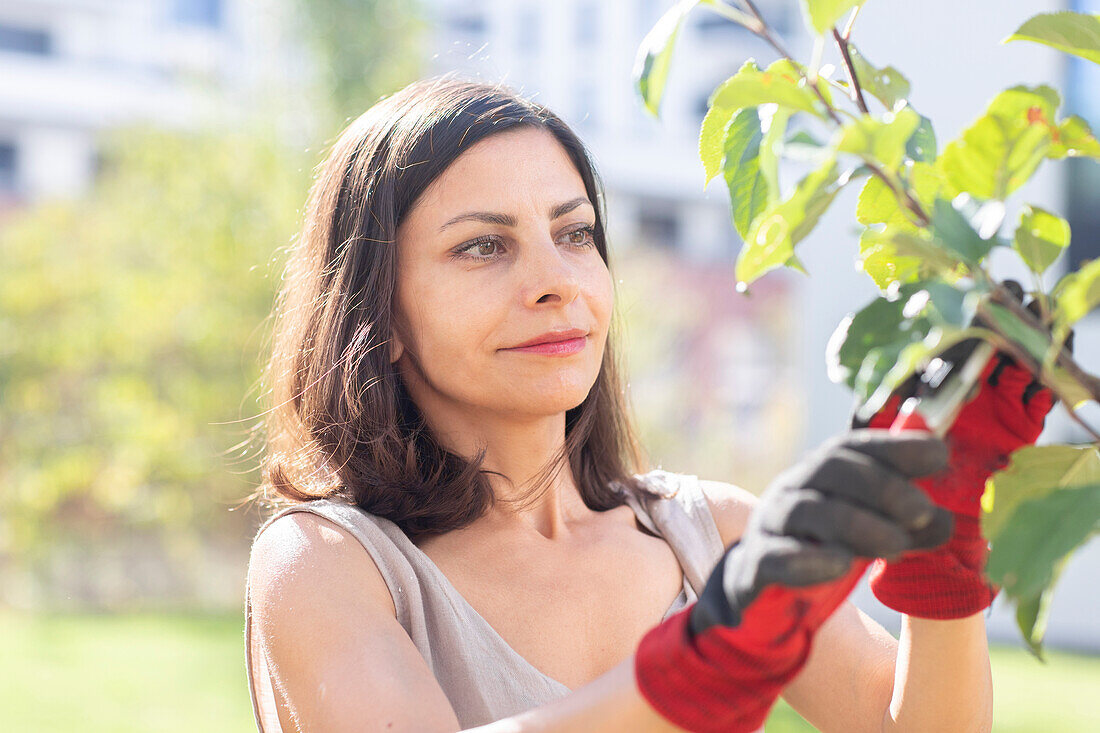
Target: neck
520,449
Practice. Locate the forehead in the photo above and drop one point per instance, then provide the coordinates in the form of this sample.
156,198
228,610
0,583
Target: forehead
503,172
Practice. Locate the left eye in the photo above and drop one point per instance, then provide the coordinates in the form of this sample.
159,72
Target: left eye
588,239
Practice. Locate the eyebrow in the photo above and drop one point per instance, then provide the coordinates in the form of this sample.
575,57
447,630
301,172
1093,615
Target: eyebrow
490,217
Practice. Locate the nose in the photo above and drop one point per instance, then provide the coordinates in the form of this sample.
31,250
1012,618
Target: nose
549,273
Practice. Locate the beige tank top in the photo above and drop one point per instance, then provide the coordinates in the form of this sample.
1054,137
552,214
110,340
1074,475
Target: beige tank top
484,678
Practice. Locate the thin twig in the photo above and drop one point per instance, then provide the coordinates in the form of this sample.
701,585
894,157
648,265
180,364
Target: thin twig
1005,298
851,22
903,195
855,91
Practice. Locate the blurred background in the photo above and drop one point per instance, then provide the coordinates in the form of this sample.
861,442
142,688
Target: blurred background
155,156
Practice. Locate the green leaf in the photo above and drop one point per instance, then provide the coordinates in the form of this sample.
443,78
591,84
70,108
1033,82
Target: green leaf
821,15
1034,471
804,138
884,262
882,140
922,144
1078,293
878,348
774,233
1039,534
878,205
1019,505
1036,343
898,255
1033,612
712,135
952,229
1073,139
1000,151
887,85
1040,237
1073,33
651,65
748,188
773,141
750,87
1071,390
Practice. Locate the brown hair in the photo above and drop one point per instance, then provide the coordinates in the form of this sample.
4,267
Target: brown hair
342,423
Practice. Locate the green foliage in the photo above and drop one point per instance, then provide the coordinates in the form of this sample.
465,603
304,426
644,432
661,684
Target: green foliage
954,232
876,349
887,85
883,140
130,320
779,84
771,239
362,48
931,220
823,14
1040,238
1075,33
1037,510
1000,151
1078,293
747,184
655,55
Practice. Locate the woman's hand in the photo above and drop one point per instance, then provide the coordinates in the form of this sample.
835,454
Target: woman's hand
852,498
721,664
1007,412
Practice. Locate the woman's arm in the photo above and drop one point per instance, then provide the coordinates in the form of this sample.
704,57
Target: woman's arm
859,678
942,678
342,662
611,702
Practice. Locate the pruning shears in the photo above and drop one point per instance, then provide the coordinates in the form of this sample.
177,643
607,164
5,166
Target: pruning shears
944,388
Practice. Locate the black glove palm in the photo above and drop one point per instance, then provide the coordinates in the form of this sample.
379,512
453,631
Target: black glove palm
850,498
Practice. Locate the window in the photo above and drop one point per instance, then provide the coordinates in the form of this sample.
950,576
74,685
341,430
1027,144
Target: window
34,41
658,225
9,163
1083,180
206,13
466,24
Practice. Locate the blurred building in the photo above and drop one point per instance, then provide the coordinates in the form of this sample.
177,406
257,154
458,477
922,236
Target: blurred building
70,68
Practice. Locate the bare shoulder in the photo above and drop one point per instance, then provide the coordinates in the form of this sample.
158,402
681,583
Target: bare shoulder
730,505
336,652
302,552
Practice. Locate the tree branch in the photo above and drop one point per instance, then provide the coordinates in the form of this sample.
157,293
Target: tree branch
855,91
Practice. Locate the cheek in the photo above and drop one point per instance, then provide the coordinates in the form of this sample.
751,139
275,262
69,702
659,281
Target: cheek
600,294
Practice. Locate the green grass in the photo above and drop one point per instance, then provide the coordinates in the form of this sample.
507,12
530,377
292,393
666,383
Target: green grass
167,672
1062,696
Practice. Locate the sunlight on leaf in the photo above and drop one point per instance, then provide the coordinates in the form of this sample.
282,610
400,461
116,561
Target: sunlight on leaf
1073,33
1001,150
1040,237
654,57
821,15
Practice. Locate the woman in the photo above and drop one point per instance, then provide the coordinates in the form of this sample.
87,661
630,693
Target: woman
465,539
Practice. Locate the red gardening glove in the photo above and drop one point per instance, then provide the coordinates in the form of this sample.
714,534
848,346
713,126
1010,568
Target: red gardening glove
720,665
1007,413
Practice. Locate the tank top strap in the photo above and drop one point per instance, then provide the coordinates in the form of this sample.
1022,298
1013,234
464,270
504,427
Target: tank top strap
680,515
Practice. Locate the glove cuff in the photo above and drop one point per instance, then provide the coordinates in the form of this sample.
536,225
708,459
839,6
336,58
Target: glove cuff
727,678
944,583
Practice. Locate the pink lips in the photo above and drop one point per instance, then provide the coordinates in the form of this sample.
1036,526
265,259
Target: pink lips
555,348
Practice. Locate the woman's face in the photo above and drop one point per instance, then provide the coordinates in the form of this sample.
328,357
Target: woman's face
521,262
